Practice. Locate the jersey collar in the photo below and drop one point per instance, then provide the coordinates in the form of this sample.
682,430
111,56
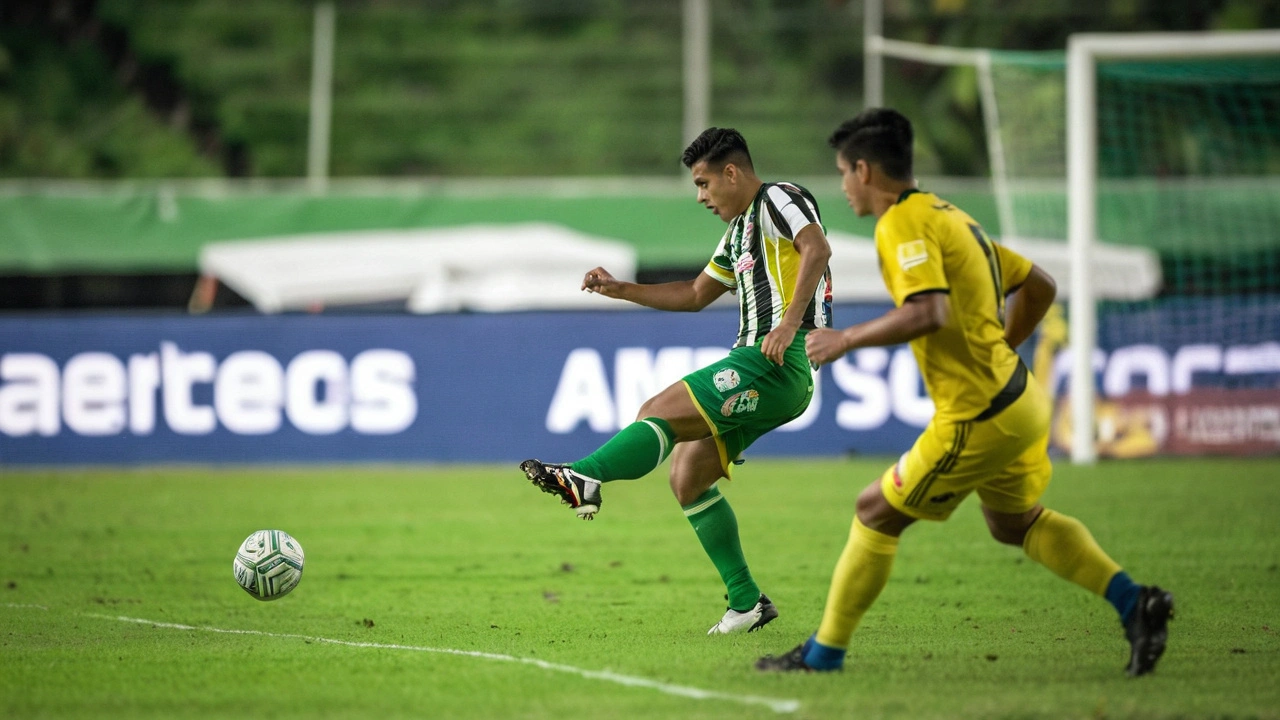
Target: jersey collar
907,193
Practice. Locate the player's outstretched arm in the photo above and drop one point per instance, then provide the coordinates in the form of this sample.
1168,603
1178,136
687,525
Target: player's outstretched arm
920,315
681,296
1027,306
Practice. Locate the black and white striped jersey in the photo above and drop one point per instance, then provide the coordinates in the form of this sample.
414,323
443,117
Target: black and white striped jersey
757,259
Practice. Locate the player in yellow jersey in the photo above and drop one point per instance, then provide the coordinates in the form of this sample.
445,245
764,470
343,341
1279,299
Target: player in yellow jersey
963,303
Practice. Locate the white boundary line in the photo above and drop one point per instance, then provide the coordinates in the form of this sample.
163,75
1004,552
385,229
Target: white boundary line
775,704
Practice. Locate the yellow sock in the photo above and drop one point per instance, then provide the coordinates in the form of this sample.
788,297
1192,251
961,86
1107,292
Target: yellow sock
1065,546
860,575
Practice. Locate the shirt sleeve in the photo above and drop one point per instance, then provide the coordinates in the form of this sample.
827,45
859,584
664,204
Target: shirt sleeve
793,213
720,268
910,261
1014,269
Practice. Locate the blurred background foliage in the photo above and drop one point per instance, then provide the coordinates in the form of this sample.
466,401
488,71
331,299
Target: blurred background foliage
207,88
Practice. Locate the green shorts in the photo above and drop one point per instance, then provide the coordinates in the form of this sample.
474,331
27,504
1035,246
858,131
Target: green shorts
745,395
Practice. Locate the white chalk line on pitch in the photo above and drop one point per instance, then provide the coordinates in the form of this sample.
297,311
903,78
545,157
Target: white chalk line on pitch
775,704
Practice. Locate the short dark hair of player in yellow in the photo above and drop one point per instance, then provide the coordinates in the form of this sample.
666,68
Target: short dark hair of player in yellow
963,303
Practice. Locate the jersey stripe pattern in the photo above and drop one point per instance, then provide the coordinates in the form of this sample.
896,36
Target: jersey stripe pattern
757,259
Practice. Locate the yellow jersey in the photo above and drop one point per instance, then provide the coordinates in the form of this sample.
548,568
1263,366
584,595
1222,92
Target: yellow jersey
926,244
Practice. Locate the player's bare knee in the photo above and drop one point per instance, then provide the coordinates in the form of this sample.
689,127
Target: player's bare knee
875,512
671,404
869,504
1006,536
1010,529
647,409
681,491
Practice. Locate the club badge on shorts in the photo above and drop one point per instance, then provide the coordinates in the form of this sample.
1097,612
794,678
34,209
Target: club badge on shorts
739,403
726,379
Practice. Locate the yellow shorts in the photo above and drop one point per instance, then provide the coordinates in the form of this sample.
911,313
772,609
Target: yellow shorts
1005,458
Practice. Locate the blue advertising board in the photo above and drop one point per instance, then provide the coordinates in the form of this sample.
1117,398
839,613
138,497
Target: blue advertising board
87,390
395,388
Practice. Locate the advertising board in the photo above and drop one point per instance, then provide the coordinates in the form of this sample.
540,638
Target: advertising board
140,389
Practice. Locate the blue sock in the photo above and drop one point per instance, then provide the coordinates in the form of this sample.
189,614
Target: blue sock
1122,593
822,657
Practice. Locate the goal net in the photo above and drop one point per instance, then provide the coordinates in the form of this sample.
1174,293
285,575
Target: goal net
1183,164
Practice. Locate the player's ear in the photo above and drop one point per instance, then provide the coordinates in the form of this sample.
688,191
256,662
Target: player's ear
863,170
730,172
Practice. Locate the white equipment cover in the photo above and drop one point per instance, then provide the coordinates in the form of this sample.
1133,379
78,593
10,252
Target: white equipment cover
539,266
488,268
1120,272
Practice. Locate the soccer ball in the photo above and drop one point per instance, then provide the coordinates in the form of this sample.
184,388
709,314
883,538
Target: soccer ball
268,564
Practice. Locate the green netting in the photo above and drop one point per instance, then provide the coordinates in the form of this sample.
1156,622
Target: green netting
1031,105
1188,162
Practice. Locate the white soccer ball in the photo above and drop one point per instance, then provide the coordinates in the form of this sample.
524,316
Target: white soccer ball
268,564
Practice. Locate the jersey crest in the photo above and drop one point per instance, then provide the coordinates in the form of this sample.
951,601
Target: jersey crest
911,254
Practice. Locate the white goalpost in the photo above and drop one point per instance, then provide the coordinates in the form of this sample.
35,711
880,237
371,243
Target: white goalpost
1083,53
1040,117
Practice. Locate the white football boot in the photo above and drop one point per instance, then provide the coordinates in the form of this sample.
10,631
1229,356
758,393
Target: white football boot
751,620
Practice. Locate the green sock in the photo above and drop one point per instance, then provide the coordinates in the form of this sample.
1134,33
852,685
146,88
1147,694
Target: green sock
633,453
717,528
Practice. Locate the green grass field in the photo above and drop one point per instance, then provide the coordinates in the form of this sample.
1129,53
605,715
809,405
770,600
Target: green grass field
464,592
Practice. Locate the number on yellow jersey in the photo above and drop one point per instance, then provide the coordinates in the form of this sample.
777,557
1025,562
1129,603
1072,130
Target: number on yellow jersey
993,264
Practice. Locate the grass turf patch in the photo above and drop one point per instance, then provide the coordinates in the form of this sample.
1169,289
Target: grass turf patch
471,558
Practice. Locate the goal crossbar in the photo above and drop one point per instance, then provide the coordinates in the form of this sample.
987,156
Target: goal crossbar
980,60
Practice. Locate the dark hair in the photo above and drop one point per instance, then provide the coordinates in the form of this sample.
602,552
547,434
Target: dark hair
878,135
718,146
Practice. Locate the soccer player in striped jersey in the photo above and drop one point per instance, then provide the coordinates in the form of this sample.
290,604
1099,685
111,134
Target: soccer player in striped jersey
990,430
774,256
